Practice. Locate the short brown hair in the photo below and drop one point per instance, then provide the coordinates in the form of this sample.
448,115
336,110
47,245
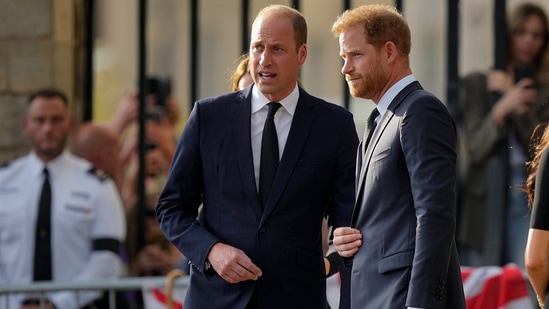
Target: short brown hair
516,19
381,23
298,21
48,93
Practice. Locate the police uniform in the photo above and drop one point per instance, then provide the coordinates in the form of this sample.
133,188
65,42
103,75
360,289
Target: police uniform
87,225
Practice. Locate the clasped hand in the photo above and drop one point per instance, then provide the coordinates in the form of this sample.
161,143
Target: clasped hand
232,264
347,240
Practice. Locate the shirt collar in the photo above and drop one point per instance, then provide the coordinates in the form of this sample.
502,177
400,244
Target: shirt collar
290,102
37,165
388,97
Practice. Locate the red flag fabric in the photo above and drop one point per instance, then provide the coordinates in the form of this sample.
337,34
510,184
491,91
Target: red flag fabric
493,287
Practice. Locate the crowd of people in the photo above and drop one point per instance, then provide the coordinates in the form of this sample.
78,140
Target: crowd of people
269,190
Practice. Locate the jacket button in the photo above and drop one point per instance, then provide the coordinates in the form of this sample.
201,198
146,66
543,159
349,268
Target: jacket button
43,233
262,229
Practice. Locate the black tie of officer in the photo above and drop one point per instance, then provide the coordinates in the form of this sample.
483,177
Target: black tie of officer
269,154
42,246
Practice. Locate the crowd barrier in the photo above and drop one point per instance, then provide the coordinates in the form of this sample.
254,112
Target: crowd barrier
485,288
110,286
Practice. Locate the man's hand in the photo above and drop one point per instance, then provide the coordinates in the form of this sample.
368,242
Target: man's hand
232,264
347,241
498,81
517,100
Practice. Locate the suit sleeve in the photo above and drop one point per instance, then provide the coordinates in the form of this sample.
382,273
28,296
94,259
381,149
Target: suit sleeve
180,199
343,189
343,193
428,139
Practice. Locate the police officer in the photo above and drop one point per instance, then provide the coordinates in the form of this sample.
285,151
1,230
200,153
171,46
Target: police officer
80,235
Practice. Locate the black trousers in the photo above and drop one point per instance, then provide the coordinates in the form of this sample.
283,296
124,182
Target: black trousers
254,301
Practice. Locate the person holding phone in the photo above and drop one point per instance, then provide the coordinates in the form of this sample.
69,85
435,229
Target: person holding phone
493,220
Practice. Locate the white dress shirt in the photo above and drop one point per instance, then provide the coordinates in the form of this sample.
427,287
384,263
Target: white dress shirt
391,93
282,119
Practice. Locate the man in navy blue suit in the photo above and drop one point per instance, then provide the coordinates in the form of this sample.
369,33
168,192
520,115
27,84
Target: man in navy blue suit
252,252
401,241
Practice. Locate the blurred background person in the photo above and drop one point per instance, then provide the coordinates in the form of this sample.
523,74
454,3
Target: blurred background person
157,257
241,77
60,219
493,222
160,143
101,147
126,113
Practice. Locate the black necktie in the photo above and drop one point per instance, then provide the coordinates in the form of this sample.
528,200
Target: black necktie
42,246
370,127
269,154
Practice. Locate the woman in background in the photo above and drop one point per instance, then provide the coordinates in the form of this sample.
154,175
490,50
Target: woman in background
241,76
499,111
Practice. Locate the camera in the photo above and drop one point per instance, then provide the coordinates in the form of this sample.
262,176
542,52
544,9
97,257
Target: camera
157,91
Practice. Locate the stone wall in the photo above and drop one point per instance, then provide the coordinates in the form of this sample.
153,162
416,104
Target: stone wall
37,49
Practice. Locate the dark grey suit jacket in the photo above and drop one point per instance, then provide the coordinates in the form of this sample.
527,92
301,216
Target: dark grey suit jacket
213,162
405,209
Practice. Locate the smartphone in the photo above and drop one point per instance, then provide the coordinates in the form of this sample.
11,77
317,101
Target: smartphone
159,88
523,71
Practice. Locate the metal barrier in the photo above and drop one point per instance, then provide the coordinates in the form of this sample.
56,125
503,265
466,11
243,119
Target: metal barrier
110,285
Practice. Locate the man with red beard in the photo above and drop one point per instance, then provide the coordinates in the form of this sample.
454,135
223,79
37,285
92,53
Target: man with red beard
400,244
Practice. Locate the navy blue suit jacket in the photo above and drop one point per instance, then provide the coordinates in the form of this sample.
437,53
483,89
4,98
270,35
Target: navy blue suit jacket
213,164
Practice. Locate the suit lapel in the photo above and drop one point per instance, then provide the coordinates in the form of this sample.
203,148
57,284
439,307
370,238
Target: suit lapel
297,138
366,156
241,127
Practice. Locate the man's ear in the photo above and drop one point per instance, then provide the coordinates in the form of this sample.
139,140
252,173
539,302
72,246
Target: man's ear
302,54
390,51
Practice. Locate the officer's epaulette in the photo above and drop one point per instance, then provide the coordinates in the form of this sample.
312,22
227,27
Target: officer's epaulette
99,173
